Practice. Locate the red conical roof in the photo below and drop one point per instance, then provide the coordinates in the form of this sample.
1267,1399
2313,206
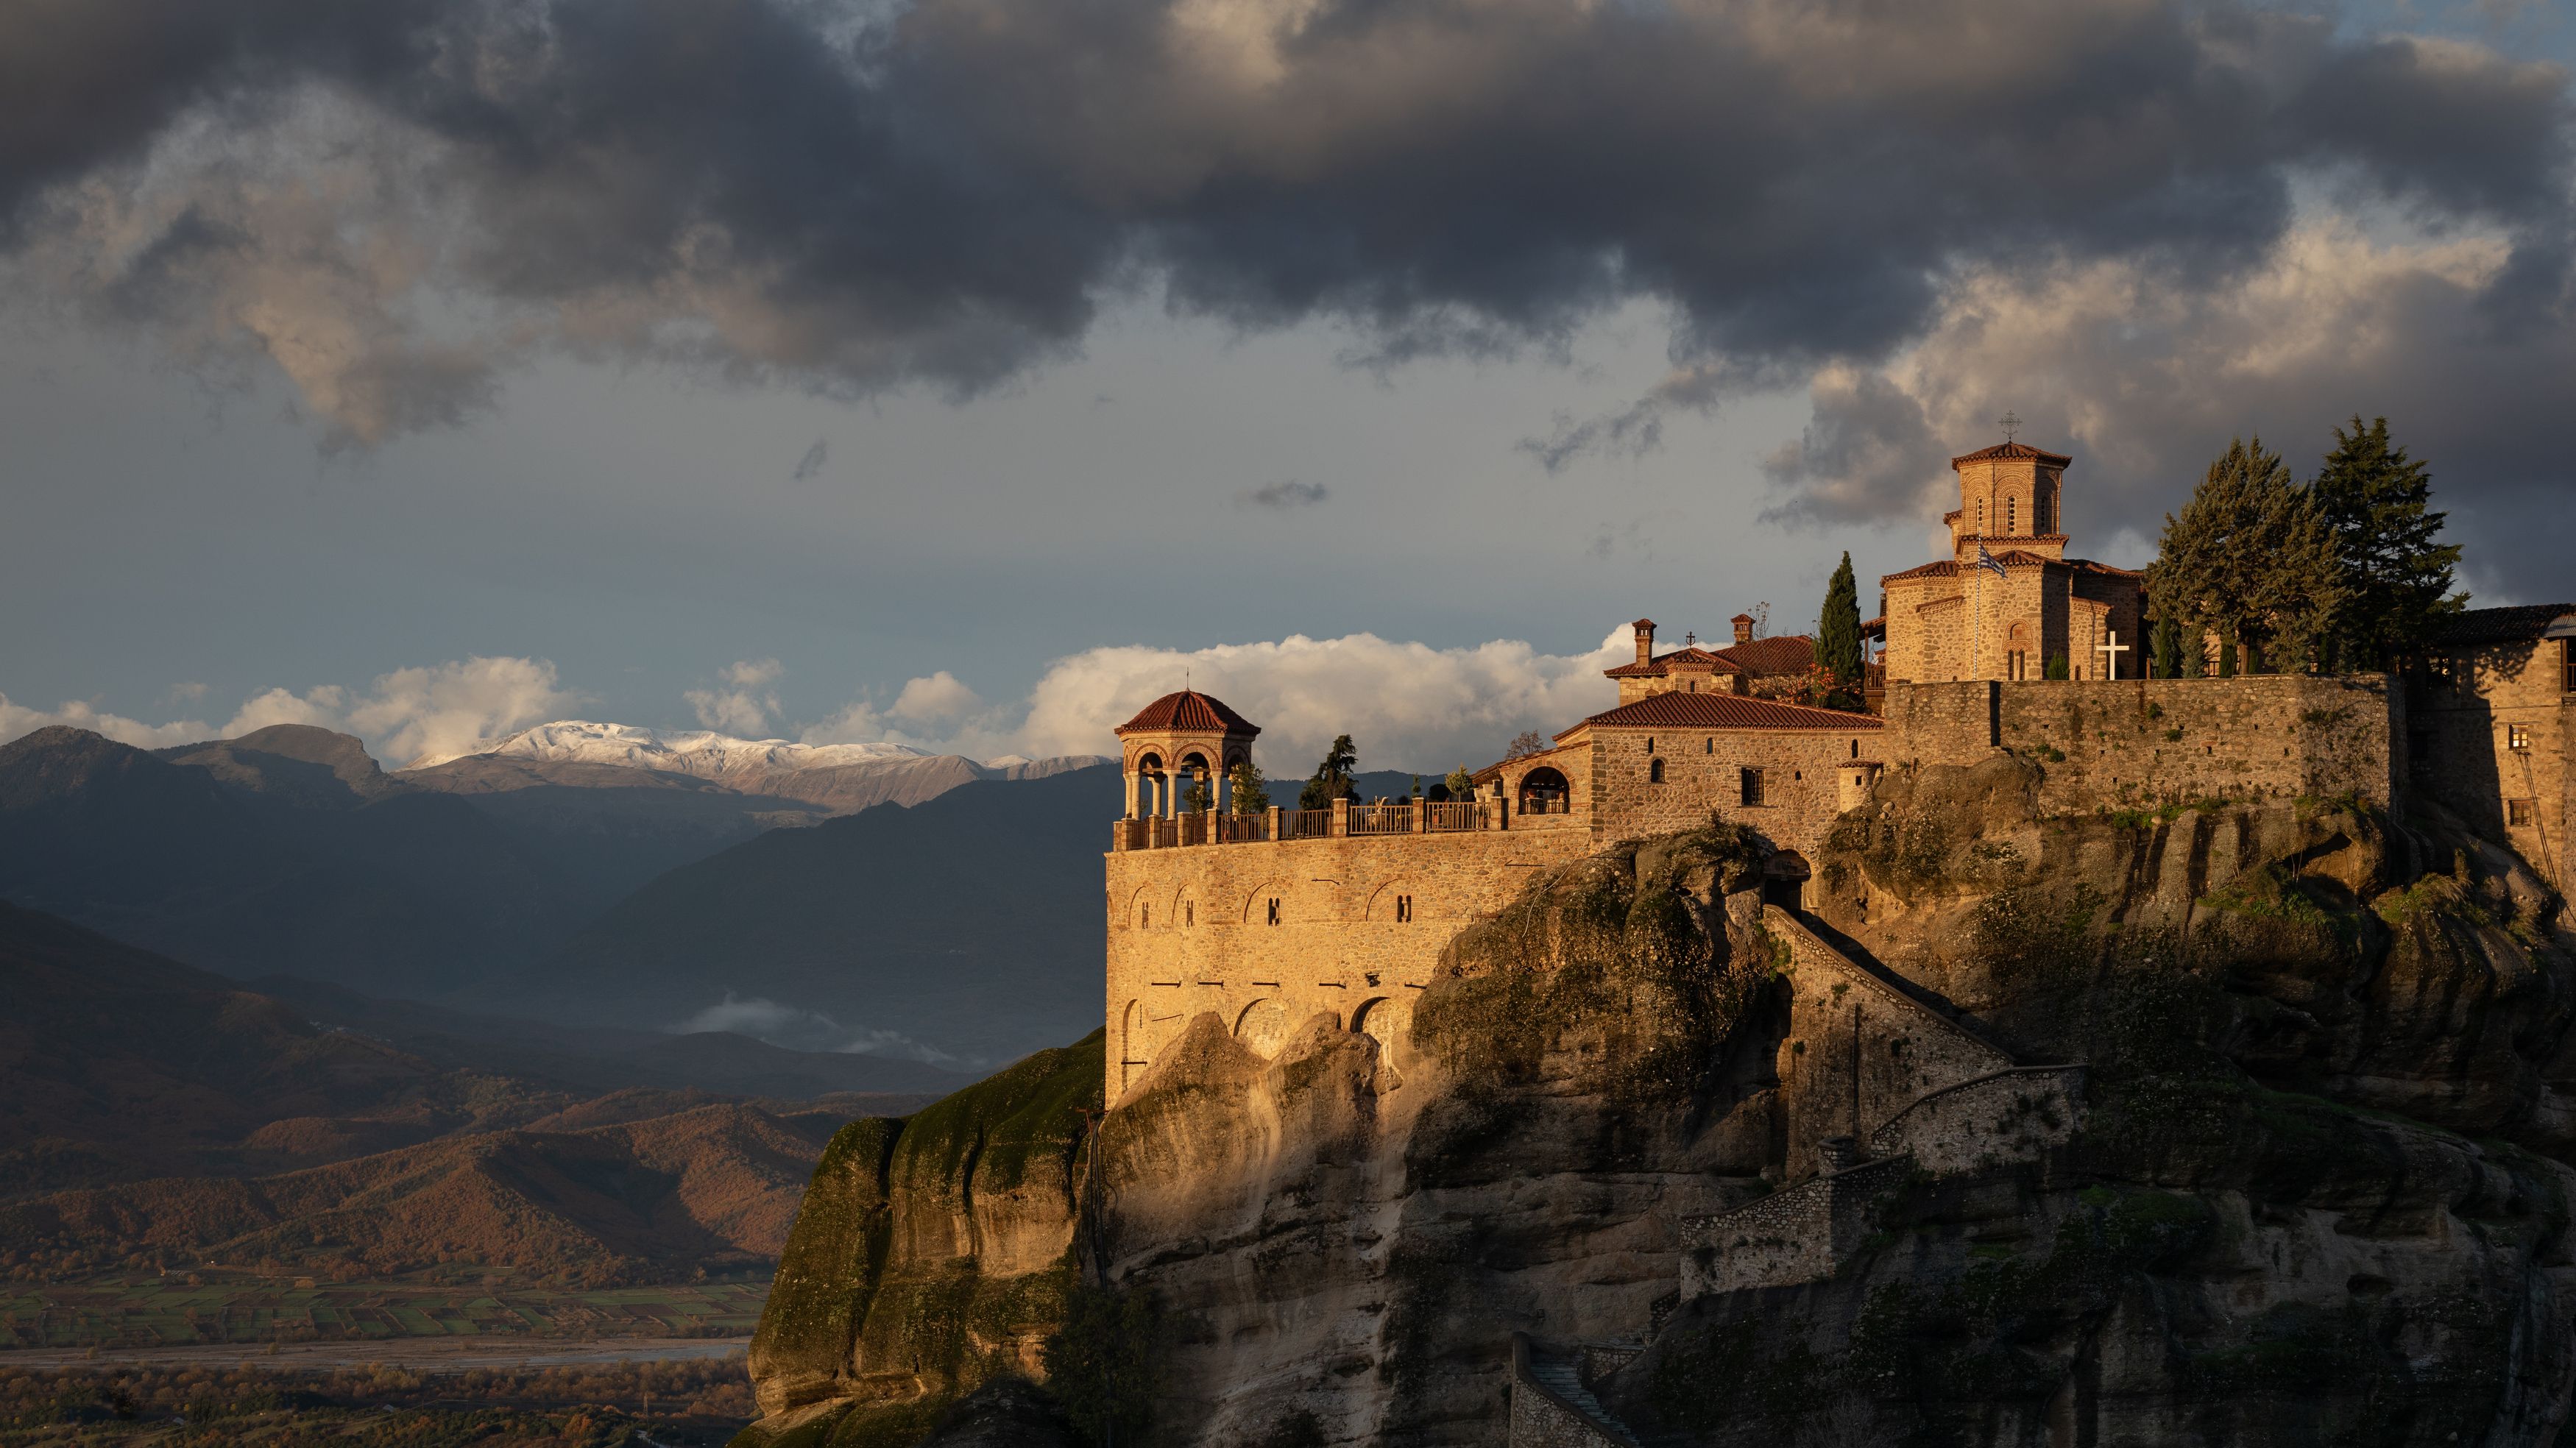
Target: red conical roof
1188,711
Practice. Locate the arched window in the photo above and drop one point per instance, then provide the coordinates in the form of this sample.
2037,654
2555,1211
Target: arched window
1544,791
1654,771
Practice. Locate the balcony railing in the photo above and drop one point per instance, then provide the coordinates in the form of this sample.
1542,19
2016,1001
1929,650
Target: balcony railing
1382,819
1451,815
1445,817
1305,824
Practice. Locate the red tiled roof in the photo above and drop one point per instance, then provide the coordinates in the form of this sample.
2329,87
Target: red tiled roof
1785,654
2014,450
1781,654
1726,711
1188,710
2010,558
2517,624
1660,662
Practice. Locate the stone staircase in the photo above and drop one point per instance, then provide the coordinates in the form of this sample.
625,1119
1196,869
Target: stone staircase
1992,1112
1552,1406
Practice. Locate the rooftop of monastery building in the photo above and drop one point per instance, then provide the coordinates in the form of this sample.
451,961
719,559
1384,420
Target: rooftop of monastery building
1722,711
2520,623
1188,711
1748,656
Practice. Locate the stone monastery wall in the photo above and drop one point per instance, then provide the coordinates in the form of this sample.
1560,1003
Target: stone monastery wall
1268,935
1802,786
2136,743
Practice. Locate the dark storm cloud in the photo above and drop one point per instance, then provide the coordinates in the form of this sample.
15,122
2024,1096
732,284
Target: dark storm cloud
944,191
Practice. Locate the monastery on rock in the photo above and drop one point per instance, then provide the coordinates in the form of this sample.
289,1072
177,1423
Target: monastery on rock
1267,920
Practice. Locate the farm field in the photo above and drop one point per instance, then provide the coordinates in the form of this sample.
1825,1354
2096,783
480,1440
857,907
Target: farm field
160,1313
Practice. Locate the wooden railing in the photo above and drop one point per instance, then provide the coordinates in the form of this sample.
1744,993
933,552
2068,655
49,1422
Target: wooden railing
1382,819
1450,815
1407,817
1305,824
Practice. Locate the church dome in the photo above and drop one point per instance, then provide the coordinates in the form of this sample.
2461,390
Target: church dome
1188,711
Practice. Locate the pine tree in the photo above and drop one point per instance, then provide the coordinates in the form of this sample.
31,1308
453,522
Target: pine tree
1838,631
1332,778
2397,579
2168,643
2227,655
2250,556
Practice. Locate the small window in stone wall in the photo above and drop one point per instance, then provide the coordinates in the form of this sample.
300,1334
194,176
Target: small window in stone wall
2517,812
1749,786
1189,912
1708,746
1650,744
1145,915
1273,911
1403,909
1654,771
2567,665
2517,736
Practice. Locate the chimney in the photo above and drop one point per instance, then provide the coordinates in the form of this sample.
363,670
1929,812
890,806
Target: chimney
1645,640
1743,627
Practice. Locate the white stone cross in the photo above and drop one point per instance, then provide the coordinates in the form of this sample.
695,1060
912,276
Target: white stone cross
2114,648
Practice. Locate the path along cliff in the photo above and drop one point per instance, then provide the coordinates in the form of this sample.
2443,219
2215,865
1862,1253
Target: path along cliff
2242,1123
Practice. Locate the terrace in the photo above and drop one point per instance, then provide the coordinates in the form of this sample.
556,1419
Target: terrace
1347,819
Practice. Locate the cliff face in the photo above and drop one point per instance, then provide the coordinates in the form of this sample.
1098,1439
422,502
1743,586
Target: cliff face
930,1256
2306,1186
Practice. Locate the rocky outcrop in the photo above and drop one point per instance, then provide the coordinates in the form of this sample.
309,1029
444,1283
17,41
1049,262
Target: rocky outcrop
931,1256
2235,1123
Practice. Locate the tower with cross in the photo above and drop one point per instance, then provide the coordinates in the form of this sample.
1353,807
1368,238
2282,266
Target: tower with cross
2009,603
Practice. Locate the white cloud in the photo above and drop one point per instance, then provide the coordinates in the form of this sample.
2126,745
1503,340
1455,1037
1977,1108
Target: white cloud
2145,380
1407,705
935,700
404,714
17,720
413,712
744,705
799,1029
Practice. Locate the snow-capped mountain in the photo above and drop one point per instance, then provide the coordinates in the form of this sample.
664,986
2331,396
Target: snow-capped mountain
699,751
808,779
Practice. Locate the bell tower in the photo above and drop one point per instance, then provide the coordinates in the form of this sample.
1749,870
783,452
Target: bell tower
2009,498
1177,740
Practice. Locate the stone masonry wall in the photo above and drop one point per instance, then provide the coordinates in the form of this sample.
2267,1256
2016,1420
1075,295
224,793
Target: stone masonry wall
2462,750
1859,1049
2137,743
2009,1116
1791,1236
1360,925
1703,773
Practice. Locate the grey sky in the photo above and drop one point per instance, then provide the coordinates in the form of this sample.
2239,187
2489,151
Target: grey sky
649,339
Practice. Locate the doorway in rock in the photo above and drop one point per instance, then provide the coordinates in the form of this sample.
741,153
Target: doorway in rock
1784,881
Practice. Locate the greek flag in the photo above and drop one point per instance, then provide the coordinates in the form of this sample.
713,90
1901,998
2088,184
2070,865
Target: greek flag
1990,562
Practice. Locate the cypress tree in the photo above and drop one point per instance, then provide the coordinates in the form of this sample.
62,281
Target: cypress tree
2168,648
2250,555
1838,632
1332,778
2397,579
